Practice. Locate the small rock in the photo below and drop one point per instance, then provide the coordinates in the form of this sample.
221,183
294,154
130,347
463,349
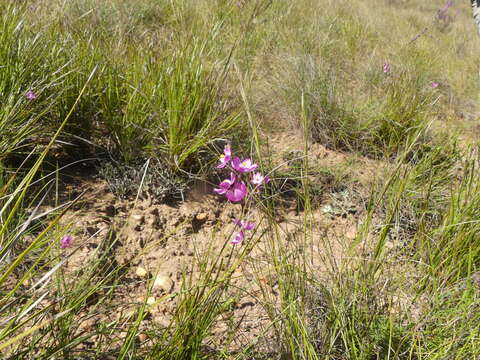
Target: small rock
351,233
389,245
142,337
151,221
151,300
139,219
162,321
327,209
141,272
88,324
476,279
292,214
202,216
163,282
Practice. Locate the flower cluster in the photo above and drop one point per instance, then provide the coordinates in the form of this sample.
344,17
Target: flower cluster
66,242
235,187
386,67
445,17
244,226
442,14
30,95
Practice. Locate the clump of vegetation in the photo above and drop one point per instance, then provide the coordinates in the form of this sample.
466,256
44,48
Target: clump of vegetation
149,178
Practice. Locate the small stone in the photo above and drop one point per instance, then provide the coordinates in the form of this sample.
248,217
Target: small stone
141,272
162,321
151,300
351,233
163,282
88,324
202,216
151,221
476,279
139,218
389,245
142,337
292,214
327,209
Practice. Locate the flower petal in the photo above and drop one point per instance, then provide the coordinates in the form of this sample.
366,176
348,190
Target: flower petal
238,238
227,151
248,225
66,242
237,192
236,164
220,191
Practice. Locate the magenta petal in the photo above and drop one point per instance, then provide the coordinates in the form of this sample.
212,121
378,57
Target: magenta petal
386,67
258,179
236,163
228,152
220,191
248,225
30,95
238,238
237,192
243,166
66,242
224,160
225,185
250,167
247,165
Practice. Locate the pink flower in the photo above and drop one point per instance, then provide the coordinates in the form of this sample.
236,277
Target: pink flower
434,84
237,192
225,185
442,13
238,238
246,225
66,242
259,179
386,67
30,95
225,157
243,166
